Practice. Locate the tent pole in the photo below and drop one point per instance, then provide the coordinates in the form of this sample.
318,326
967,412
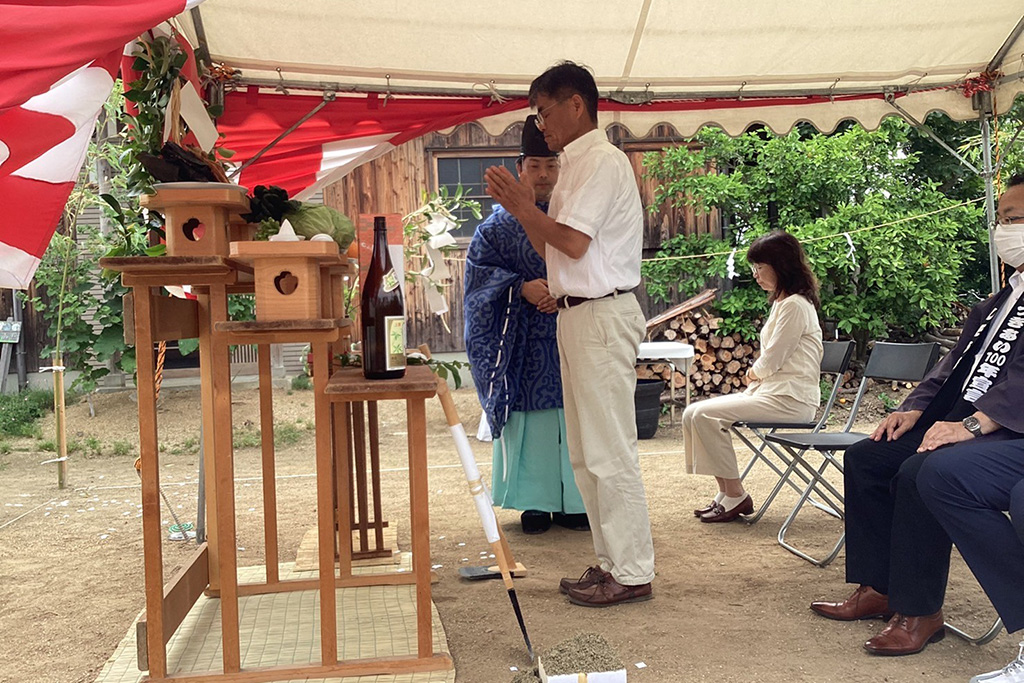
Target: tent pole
990,194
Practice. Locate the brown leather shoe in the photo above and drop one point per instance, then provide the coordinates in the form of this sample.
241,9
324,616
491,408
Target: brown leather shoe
865,603
905,635
705,510
590,577
609,592
719,514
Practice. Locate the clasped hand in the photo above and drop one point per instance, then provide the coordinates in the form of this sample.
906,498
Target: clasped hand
537,293
939,434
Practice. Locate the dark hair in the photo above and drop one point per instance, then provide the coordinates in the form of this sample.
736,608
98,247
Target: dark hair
793,274
1016,179
564,80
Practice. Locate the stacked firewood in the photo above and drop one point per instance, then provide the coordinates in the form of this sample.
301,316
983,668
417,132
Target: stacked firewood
720,360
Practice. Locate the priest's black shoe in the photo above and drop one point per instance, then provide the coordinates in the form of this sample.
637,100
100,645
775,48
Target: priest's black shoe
535,521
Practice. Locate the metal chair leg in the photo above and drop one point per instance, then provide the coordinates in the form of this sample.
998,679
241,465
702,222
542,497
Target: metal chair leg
817,479
783,475
986,637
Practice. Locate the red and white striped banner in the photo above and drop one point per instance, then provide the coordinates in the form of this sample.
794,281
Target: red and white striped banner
58,61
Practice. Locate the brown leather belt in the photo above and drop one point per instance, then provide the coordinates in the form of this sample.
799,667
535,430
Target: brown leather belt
570,301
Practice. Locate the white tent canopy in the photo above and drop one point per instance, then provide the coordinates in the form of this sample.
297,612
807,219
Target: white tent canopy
719,58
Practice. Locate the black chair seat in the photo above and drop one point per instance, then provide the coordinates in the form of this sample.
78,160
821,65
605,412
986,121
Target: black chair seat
777,425
823,441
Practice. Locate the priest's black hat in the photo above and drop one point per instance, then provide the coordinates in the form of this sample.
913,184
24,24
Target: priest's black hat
533,144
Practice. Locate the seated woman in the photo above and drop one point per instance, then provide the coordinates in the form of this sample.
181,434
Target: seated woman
783,386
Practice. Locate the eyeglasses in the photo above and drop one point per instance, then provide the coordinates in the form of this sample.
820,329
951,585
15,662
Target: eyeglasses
755,269
540,113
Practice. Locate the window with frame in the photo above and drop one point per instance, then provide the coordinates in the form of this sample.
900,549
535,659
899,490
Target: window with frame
467,170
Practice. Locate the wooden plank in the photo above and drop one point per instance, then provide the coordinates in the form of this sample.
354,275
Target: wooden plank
362,507
349,384
416,417
152,531
325,506
301,325
244,338
351,668
179,596
173,319
269,469
209,441
342,481
321,250
378,508
353,581
225,483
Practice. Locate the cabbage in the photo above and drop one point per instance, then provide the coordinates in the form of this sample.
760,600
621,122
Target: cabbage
317,219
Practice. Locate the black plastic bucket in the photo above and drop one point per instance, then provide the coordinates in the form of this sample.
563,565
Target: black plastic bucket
648,406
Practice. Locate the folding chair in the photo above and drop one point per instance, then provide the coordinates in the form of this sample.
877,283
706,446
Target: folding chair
888,361
834,361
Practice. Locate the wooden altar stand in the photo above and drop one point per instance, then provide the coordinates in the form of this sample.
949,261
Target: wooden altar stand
213,569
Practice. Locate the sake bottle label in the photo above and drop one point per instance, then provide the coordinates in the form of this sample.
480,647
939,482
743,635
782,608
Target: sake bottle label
394,326
390,281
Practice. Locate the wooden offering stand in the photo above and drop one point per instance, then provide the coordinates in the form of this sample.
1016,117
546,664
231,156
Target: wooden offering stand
320,272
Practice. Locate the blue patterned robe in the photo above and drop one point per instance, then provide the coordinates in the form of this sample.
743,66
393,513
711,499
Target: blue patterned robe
513,353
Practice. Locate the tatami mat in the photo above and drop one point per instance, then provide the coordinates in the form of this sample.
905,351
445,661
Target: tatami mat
283,628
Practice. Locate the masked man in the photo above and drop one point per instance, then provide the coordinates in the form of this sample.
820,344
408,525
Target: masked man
513,355
963,419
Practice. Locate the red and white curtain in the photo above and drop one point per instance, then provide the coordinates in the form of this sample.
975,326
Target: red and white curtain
346,132
58,62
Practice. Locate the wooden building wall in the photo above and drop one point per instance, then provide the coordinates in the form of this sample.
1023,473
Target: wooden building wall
395,184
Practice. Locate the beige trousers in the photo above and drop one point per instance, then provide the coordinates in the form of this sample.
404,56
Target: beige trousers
706,424
597,345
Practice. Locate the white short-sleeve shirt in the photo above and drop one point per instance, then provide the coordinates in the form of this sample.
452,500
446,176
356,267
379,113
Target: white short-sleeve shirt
596,194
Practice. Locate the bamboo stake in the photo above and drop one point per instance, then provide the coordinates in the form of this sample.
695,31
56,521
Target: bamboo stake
481,497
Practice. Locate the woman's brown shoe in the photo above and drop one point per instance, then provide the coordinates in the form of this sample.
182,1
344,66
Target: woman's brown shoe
705,510
720,514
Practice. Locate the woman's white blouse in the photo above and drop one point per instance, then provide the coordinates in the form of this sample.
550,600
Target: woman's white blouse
790,361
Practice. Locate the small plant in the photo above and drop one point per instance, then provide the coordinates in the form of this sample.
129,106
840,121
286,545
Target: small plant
122,448
825,389
888,402
19,412
246,437
48,446
5,448
92,446
302,382
286,434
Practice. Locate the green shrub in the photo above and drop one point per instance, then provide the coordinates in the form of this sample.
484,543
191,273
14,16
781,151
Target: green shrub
246,437
122,448
19,412
48,446
302,383
287,434
5,448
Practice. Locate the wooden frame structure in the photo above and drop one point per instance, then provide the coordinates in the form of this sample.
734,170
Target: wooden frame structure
338,394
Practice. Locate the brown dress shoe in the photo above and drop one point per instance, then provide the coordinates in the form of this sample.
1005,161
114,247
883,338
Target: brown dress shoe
865,603
609,592
590,577
719,514
905,635
705,510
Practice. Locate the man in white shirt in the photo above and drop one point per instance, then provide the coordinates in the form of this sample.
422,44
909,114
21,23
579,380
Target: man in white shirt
591,238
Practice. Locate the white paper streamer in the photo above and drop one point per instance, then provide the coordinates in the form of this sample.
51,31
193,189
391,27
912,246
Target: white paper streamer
481,496
852,252
730,265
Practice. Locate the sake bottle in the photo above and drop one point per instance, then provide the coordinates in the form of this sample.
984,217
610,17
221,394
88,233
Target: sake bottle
382,312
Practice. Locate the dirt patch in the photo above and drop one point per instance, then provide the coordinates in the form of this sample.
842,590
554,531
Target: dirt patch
729,603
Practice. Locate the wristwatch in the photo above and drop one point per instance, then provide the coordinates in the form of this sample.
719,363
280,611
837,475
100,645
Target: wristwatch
972,425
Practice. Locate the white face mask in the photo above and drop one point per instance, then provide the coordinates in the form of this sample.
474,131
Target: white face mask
1009,241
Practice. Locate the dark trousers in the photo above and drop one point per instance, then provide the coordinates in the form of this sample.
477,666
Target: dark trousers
968,489
893,543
